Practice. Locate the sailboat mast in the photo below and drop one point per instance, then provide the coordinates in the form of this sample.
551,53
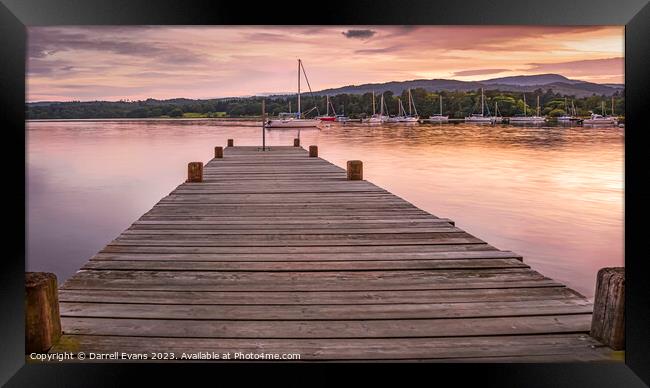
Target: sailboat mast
482,102
441,105
612,105
524,104
537,106
328,105
373,102
298,88
381,107
410,112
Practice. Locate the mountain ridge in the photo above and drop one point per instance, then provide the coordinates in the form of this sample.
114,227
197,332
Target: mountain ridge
521,83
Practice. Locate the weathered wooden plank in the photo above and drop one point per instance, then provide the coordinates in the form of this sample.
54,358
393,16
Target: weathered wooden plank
287,281
339,265
327,312
306,257
287,224
399,328
187,297
187,242
297,249
278,229
445,231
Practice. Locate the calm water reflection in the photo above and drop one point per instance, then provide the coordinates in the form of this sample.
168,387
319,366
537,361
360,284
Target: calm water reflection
552,194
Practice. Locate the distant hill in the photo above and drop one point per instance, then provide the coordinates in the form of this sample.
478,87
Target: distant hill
530,80
522,83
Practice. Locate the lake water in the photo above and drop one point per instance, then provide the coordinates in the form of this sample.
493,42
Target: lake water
551,194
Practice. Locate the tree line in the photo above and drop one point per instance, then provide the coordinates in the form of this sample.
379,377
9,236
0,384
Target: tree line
456,104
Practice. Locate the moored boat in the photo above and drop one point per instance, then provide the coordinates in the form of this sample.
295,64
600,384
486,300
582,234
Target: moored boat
602,119
479,117
570,114
437,117
327,116
527,119
294,120
376,118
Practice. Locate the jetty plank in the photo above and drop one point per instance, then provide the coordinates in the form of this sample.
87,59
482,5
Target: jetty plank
277,252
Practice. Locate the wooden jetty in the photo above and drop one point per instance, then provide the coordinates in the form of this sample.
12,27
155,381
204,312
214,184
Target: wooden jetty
280,252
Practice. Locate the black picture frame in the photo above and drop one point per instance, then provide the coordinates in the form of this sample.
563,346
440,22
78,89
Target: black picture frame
634,14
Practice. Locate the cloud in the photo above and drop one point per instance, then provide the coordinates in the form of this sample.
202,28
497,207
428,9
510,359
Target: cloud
614,65
45,42
359,34
466,73
381,50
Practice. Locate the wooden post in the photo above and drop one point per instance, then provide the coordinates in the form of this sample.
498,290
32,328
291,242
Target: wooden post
313,151
231,143
195,172
42,319
296,142
608,319
355,170
218,152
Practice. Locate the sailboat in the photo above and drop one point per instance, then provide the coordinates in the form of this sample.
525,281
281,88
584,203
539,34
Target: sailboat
400,113
567,116
496,118
479,118
291,120
613,116
377,118
342,118
410,118
527,119
327,116
437,117
602,119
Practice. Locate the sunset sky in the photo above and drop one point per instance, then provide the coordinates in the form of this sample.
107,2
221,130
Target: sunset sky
113,63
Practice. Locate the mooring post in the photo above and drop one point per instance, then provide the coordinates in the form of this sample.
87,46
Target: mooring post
42,319
313,151
231,143
296,142
608,319
195,172
218,152
355,170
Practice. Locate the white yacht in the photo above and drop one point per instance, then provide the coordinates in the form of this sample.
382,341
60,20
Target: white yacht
527,119
570,114
437,117
294,120
479,118
496,118
413,116
602,119
377,118
401,113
